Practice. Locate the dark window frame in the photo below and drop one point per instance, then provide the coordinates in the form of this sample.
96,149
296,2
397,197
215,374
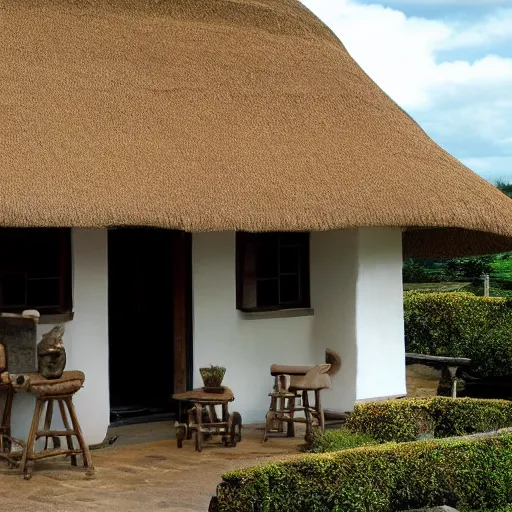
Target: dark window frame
247,245
61,274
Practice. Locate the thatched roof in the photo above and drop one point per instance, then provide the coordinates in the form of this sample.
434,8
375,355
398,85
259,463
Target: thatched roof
217,115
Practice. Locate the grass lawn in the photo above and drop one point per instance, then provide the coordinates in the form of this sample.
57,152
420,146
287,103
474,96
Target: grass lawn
502,267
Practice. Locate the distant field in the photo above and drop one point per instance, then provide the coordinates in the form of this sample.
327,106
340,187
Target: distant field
437,287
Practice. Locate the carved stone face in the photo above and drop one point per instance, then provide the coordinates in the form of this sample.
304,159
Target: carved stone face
52,365
52,354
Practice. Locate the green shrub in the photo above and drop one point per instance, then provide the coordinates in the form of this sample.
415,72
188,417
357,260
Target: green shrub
390,420
469,474
461,325
471,267
405,420
339,439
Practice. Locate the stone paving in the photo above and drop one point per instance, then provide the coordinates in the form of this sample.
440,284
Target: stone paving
142,471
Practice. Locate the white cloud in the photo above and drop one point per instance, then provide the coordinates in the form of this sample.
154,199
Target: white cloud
492,30
472,3
400,52
465,105
493,168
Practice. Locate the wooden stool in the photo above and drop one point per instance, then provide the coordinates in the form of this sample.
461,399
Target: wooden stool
289,387
6,440
47,393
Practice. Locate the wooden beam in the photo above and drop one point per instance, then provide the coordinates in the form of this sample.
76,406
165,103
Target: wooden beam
181,291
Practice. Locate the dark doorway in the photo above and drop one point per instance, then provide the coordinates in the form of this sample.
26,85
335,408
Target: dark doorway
141,323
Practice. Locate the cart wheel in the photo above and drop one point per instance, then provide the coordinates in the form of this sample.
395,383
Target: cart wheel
235,428
191,421
181,433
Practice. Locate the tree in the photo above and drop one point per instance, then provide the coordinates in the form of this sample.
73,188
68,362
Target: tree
505,187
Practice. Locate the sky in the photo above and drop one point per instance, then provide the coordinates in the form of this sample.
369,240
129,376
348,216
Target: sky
448,63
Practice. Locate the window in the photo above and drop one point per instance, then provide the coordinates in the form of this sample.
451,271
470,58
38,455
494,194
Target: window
35,270
272,271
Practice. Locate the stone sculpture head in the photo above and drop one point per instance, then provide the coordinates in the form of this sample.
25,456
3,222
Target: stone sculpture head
51,354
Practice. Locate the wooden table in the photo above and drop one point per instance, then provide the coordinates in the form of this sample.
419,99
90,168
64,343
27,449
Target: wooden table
204,421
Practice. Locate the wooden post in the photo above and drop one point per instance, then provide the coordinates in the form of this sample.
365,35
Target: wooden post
181,270
486,285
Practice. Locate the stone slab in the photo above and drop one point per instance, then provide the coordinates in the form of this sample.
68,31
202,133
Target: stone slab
436,361
19,336
444,508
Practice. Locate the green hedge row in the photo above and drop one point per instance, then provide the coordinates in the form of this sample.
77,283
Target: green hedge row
406,419
469,474
461,325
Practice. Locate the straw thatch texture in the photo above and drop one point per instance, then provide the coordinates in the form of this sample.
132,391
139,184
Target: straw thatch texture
215,115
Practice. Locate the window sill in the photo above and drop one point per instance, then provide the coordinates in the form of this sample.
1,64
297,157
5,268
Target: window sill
279,313
57,318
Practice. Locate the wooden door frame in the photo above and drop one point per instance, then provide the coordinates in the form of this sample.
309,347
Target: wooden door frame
182,305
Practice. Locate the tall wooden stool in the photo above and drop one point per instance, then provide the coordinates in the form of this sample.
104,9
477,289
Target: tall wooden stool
297,382
49,391
6,440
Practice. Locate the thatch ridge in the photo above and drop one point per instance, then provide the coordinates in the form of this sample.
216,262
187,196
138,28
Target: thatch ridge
217,115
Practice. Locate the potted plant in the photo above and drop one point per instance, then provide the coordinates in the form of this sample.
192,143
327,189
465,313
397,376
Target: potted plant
212,376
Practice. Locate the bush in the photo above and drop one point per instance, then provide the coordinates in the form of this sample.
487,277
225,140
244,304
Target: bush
468,474
336,440
469,267
390,420
461,325
405,420
414,272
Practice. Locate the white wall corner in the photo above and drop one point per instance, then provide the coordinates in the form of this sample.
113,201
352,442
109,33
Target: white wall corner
379,314
333,292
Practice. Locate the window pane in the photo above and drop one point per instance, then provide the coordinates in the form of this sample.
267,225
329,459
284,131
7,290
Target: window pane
45,266
267,261
289,289
267,292
289,260
43,292
13,290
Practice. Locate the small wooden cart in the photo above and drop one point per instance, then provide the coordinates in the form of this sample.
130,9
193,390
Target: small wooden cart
204,421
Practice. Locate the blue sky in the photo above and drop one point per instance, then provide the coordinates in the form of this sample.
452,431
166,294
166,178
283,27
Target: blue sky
448,63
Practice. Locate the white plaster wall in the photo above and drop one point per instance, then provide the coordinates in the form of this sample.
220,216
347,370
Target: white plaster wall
85,339
356,294
222,336
333,287
379,314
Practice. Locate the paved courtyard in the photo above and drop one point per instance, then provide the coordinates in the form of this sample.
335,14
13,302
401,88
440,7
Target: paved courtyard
142,471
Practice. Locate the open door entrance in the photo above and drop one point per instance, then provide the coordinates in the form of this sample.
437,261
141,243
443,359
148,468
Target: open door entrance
148,319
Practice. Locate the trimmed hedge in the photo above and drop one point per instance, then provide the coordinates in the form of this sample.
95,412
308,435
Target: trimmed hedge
405,420
469,474
461,325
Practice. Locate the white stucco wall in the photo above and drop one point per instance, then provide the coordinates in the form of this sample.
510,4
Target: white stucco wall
222,336
333,286
85,339
379,314
356,294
